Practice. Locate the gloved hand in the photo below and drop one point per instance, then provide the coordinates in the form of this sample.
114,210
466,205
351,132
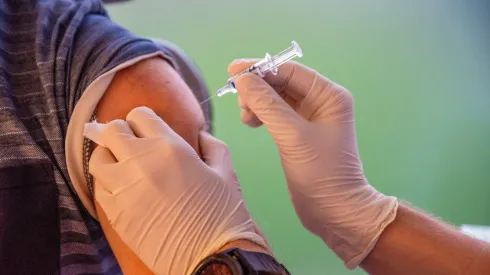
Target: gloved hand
311,119
171,208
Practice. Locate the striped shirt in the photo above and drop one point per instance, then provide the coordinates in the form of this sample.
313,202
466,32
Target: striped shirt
50,51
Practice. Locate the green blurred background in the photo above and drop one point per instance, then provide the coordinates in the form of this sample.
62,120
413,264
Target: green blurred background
420,74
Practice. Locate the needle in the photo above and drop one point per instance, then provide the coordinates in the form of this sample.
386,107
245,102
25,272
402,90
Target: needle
206,100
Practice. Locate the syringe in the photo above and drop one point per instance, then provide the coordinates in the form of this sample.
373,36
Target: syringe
267,64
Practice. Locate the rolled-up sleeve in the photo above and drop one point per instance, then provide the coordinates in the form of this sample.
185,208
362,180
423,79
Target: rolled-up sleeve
79,49
52,53
78,42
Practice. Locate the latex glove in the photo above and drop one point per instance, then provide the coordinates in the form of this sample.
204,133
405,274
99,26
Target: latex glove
311,119
171,208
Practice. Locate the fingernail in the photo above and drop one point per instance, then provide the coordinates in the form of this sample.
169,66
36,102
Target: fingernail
238,61
243,60
234,63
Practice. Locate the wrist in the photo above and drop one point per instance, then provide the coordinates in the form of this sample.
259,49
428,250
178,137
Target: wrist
242,244
220,269
363,231
238,261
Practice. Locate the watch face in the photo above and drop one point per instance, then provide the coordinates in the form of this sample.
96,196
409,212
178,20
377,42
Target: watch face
217,269
235,261
219,264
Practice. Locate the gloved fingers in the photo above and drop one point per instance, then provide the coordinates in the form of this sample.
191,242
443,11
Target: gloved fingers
247,116
292,77
105,199
115,136
242,104
239,65
269,107
112,175
250,119
93,131
145,123
100,167
216,154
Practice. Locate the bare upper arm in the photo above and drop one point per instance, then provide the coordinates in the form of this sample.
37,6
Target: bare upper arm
155,84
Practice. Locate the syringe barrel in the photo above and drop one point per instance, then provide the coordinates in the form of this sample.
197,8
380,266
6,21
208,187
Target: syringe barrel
266,65
228,88
293,51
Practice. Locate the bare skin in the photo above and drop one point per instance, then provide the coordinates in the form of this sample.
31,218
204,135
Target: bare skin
416,243
155,84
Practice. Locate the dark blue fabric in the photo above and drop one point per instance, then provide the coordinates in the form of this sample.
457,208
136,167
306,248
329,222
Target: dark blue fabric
50,51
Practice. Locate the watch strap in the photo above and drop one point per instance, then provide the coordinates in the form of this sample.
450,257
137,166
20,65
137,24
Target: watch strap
258,263
241,262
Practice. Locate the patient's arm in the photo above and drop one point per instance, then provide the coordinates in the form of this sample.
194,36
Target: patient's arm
155,84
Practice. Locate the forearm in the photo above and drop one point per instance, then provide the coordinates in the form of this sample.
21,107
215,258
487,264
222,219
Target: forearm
418,244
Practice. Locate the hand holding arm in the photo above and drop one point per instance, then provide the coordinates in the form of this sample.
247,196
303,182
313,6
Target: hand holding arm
166,204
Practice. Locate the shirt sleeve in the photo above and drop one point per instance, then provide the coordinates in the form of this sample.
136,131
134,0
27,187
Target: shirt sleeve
96,52
77,42
78,51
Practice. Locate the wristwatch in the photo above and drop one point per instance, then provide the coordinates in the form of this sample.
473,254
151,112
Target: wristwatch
235,261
